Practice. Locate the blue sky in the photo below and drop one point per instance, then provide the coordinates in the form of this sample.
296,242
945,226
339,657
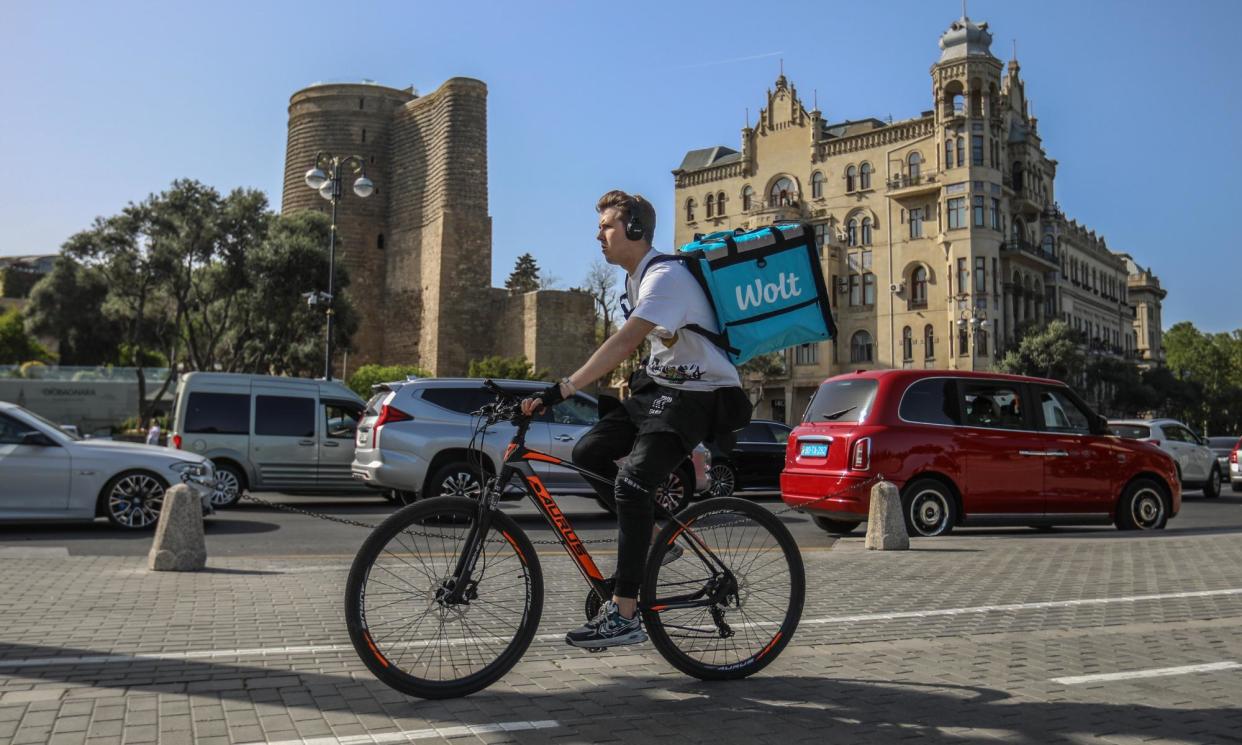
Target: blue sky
105,103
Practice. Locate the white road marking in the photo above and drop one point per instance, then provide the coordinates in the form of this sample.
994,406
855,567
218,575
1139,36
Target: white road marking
1158,672
420,734
103,659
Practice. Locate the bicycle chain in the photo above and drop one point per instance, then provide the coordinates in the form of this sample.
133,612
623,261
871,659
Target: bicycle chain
541,542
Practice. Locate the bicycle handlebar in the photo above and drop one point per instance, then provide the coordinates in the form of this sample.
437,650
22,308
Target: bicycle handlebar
507,407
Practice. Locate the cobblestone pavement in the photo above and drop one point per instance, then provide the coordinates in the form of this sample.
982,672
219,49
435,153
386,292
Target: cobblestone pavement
963,640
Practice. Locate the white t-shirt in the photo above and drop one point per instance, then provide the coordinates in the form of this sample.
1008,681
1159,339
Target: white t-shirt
671,298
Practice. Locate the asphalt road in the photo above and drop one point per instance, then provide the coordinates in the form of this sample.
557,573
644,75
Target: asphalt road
250,529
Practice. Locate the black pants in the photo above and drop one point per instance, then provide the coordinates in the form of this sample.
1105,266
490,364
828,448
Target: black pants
657,429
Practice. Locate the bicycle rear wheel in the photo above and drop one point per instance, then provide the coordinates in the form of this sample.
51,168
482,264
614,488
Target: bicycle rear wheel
403,629
751,620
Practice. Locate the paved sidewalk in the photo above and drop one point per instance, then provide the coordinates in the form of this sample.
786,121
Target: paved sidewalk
961,640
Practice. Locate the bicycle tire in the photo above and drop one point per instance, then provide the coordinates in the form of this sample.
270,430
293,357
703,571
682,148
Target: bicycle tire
415,577
671,630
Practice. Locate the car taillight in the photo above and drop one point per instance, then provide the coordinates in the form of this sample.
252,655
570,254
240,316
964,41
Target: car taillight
1233,457
860,455
389,414
177,441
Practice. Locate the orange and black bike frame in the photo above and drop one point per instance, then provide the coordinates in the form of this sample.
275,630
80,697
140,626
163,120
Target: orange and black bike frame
518,460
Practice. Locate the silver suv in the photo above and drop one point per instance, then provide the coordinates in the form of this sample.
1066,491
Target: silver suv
414,437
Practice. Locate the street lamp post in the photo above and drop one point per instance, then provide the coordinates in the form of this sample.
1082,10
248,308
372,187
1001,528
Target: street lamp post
325,178
975,318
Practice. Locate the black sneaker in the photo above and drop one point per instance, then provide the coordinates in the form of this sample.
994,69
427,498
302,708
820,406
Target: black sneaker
608,629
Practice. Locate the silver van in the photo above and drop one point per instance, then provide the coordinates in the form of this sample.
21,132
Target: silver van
268,433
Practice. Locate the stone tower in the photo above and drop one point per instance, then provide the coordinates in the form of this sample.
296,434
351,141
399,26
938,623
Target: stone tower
419,250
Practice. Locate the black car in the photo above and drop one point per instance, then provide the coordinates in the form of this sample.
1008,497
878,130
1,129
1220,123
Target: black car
755,462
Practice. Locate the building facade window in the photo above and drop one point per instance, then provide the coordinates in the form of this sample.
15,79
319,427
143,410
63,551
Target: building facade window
981,343
821,237
868,289
860,347
709,205
916,222
918,288
948,153
817,185
748,195
957,212
961,150
806,354
981,274
720,203
994,214
963,347
914,163
851,175
963,277
851,232
864,176
689,210
978,210
855,290
907,344
976,150
782,192
866,231
929,342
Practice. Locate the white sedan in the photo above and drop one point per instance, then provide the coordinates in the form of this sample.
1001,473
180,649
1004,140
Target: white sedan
48,474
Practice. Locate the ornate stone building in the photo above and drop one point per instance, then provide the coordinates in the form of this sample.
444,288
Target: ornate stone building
419,249
941,239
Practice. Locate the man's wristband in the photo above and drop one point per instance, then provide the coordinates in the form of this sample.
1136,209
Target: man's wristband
565,381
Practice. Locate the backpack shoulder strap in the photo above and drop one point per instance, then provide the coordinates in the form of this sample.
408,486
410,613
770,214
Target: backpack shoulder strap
719,339
624,301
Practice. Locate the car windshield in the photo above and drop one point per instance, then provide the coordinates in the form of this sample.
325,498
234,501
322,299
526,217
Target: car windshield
53,429
1130,431
841,400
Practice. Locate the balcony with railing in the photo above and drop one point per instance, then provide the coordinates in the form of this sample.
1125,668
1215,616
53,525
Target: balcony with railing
1024,247
905,185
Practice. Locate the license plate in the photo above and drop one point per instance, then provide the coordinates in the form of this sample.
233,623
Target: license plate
814,450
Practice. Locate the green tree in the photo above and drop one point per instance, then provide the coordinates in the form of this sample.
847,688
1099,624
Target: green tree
525,275
1213,363
1052,352
65,305
17,346
368,375
511,368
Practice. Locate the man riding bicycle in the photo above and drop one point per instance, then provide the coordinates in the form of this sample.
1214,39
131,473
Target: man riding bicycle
687,392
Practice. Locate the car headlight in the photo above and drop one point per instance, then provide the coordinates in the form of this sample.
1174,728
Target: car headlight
186,468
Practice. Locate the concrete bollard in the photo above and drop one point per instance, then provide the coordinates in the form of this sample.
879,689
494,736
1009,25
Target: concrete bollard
886,528
179,545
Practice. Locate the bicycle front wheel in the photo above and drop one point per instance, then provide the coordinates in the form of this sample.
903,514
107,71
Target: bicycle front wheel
400,622
715,624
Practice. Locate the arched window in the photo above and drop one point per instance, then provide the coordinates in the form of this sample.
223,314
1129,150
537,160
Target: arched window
864,176
851,232
710,205
1049,246
866,231
907,344
782,192
948,153
689,210
929,342
817,185
748,194
918,288
720,204
850,174
860,347
913,163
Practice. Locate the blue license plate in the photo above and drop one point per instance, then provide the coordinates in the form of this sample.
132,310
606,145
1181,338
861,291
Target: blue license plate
814,450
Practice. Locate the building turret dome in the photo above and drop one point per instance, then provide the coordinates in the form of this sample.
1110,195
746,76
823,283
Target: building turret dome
965,39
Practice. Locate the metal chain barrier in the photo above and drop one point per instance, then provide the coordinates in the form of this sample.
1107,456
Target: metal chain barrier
543,542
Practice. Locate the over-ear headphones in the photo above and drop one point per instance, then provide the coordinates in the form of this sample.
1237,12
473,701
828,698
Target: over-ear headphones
634,229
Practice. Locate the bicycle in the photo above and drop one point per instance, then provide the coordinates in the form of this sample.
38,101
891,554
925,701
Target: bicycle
445,596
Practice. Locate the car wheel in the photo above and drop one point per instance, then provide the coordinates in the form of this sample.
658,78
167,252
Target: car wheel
1143,506
132,500
230,484
675,493
838,527
1211,488
724,481
456,480
929,508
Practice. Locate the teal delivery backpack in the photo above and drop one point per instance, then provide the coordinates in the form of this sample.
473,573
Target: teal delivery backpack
766,286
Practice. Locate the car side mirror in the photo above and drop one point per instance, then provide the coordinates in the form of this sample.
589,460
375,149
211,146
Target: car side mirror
1101,425
36,439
